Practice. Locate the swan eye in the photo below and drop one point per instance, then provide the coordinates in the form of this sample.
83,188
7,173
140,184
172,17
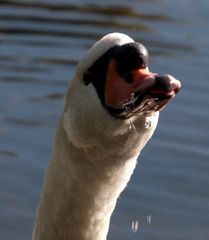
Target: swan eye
87,78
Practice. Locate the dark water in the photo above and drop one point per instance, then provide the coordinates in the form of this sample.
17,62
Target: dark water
40,44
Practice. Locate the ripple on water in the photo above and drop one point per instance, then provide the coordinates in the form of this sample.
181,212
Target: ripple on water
41,42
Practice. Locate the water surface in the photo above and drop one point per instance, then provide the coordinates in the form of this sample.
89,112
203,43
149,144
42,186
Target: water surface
40,44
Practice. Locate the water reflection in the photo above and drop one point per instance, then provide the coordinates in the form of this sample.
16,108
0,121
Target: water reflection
40,34
4,153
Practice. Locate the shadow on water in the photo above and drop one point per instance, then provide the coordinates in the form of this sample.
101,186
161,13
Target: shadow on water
7,154
114,10
70,16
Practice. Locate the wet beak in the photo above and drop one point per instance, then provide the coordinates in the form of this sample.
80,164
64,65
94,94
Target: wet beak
155,84
142,92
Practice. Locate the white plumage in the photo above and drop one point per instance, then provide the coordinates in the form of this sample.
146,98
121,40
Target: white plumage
93,159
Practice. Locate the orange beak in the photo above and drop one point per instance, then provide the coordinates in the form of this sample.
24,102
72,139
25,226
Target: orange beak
138,91
118,90
141,73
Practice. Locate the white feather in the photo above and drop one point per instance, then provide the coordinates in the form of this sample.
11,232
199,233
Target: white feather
93,159
99,48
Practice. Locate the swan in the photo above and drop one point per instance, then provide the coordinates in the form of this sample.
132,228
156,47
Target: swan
111,111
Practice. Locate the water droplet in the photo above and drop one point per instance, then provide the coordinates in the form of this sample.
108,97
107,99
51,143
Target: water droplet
149,218
135,225
131,126
148,123
127,109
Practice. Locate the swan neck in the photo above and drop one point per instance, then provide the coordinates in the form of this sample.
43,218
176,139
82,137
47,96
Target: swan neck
77,204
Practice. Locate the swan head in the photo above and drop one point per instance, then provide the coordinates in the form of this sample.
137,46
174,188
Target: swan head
117,67
113,84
